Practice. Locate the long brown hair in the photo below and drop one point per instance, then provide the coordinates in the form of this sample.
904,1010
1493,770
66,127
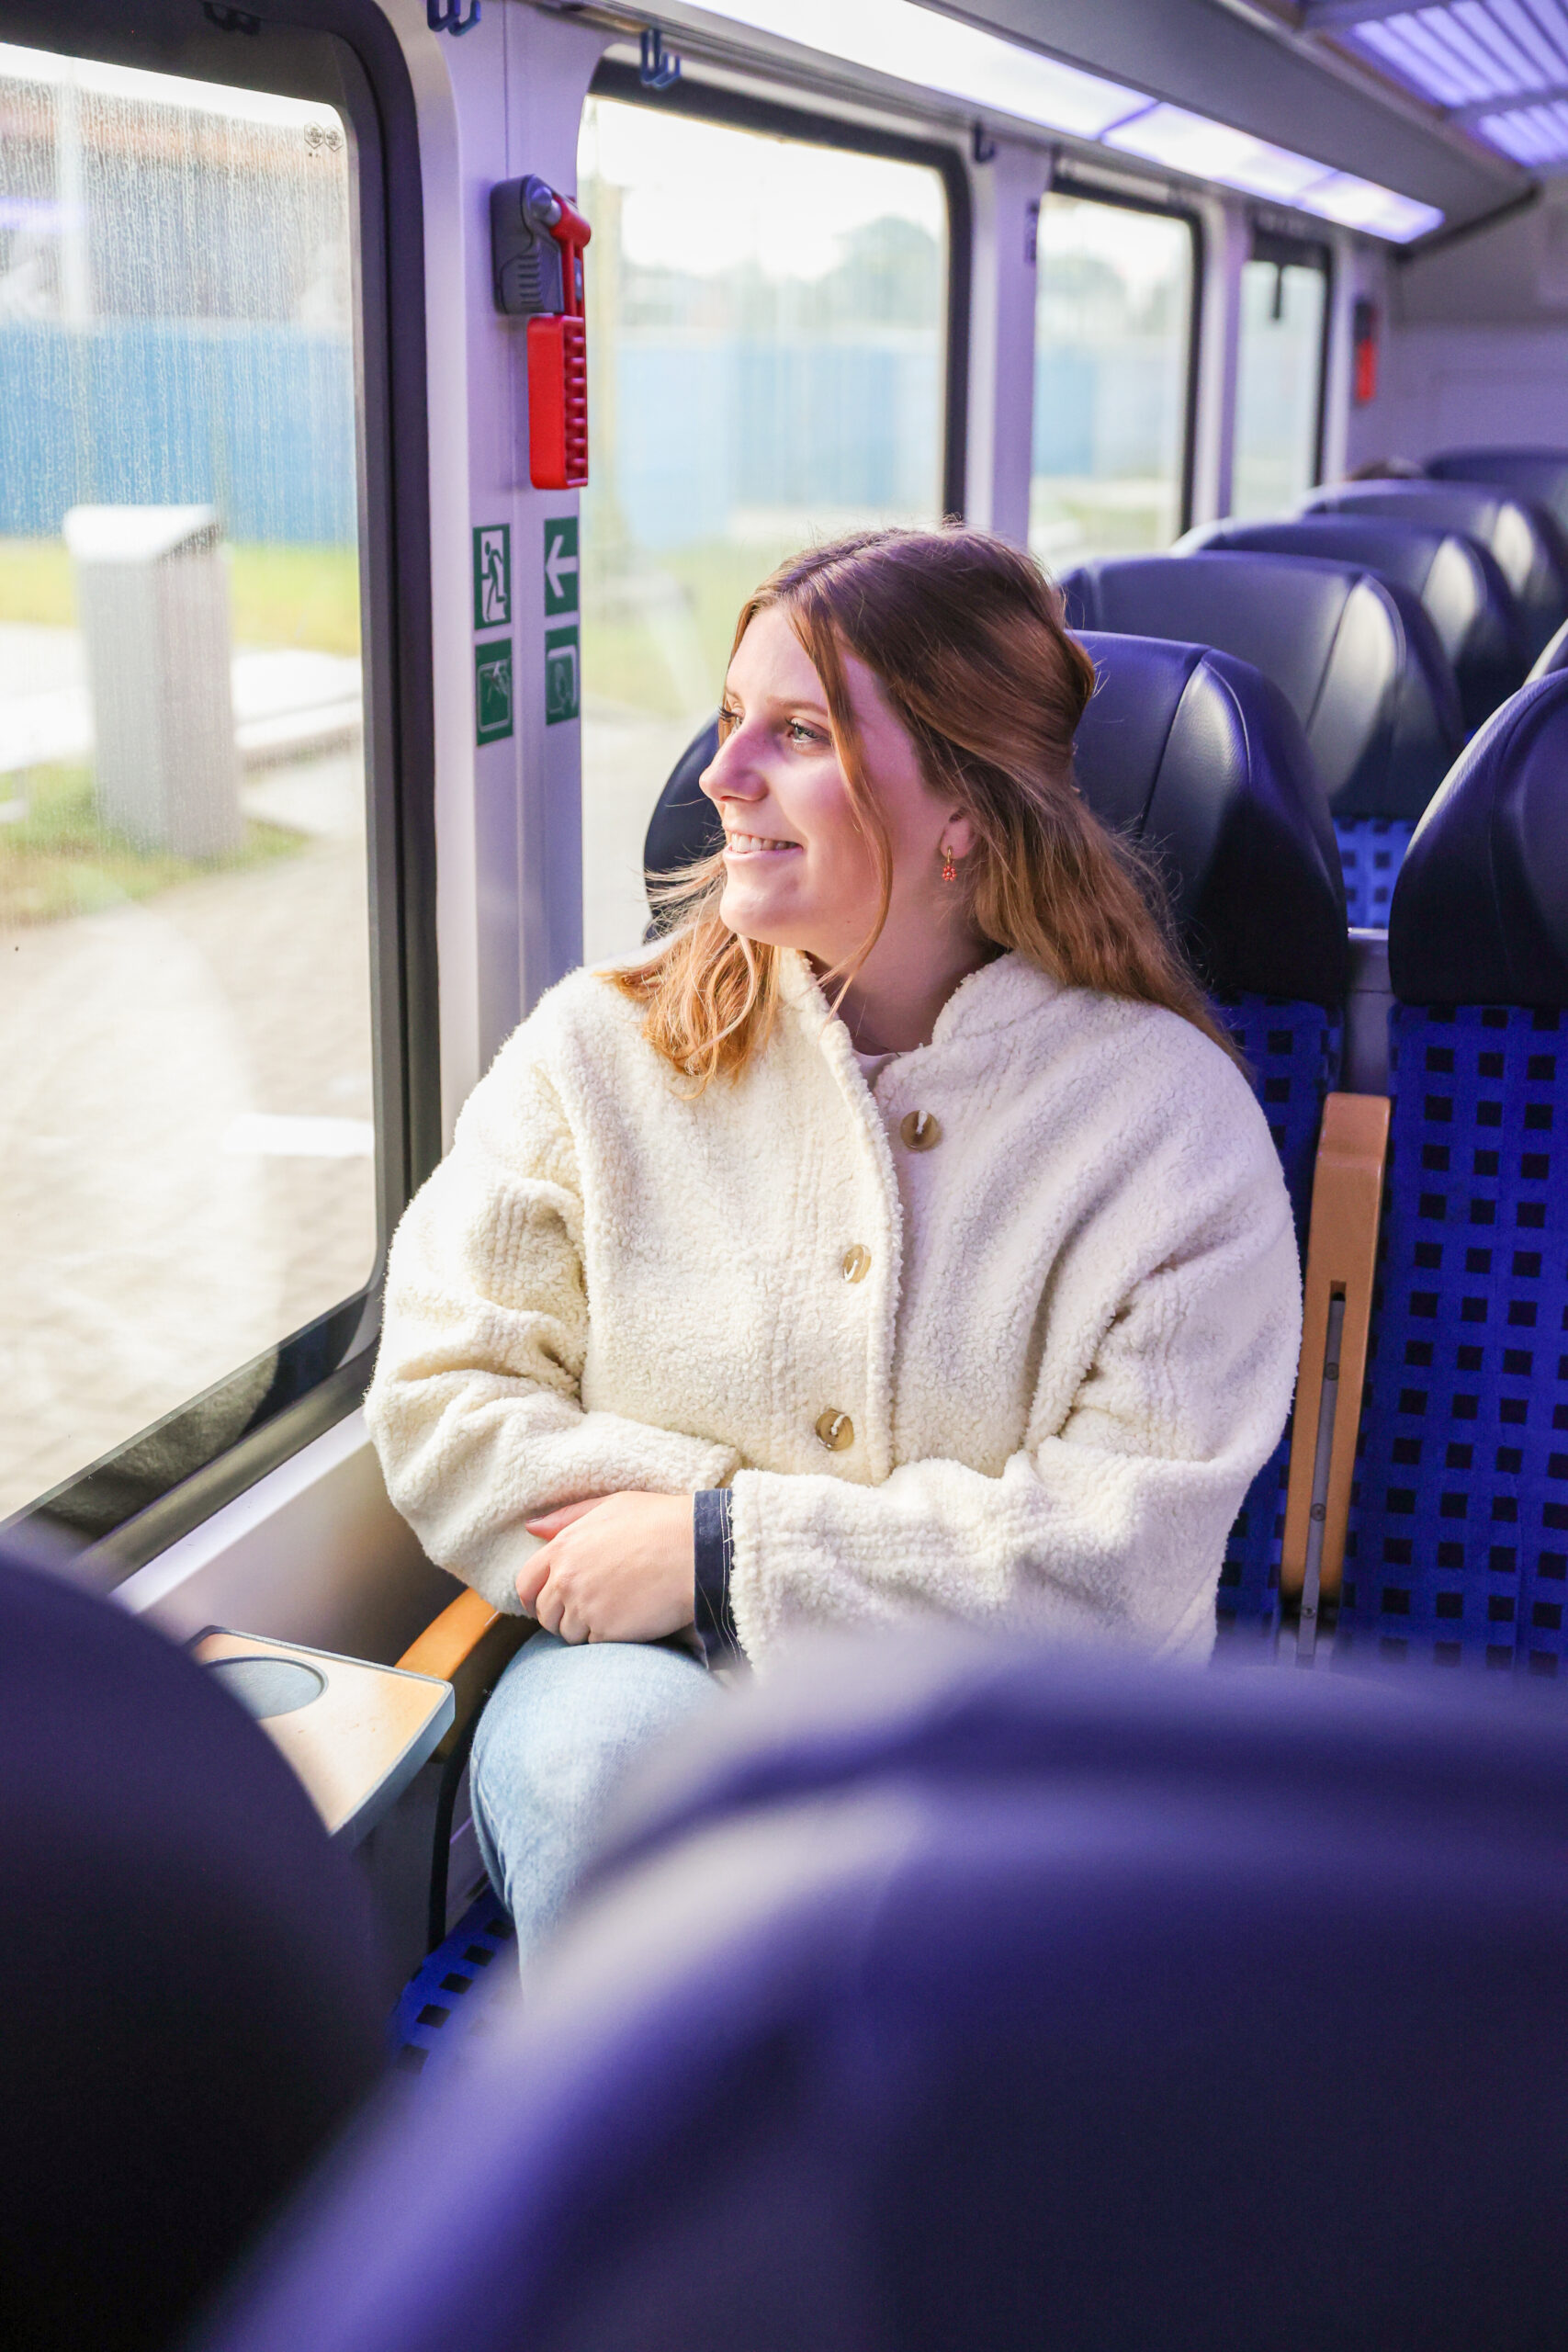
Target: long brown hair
966,636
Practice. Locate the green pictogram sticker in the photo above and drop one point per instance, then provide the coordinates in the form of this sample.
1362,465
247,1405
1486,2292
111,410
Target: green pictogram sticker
561,679
492,689
493,575
560,564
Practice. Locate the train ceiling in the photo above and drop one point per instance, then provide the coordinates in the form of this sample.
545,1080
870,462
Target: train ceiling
1240,92
1498,68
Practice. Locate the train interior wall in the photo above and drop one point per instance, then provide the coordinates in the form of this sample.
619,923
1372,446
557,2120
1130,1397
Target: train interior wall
1476,342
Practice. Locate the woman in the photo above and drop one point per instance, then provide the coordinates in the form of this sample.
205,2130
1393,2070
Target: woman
897,1238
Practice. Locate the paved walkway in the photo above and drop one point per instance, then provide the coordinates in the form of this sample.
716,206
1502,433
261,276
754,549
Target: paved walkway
155,1061
186,1093
286,703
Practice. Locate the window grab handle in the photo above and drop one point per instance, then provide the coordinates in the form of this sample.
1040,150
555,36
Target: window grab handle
659,68
1347,1202
446,15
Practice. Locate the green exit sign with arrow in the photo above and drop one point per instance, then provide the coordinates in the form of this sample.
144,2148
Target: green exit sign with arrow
560,565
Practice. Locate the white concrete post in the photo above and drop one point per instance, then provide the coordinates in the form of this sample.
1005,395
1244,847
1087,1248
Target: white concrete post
152,594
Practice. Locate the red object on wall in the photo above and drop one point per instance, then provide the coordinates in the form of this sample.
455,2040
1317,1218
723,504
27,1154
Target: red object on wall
1364,336
557,371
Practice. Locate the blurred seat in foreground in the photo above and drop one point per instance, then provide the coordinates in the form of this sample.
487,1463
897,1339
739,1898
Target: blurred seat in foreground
966,1997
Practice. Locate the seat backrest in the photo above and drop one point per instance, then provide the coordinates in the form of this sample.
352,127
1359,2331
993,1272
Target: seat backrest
1355,656
1457,1545
935,2005
190,1994
1528,543
1465,597
1541,475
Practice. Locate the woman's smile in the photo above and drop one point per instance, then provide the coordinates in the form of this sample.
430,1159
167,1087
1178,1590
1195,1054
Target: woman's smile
737,844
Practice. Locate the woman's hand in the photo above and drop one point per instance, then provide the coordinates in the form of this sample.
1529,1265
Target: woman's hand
617,1568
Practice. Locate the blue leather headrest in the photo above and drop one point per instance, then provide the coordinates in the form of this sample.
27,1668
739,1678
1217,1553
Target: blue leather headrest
1541,475
1355,655
1202,760
1480,911
1529,548
1463,593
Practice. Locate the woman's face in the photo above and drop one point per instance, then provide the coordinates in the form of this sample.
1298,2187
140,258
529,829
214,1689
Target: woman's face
799,873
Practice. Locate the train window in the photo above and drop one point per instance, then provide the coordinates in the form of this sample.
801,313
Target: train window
768,341
1279,397
191,1205
1114,346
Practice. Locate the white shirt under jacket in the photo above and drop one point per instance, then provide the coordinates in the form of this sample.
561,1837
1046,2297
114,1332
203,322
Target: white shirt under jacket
1073,1347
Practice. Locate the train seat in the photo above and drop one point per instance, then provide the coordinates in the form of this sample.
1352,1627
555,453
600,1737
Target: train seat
935,2000
1466,598
1541,475
1356,656
1201,763
1530,546
190,1995
1456,1547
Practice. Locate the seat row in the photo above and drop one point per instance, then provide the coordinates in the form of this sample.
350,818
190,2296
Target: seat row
1396,616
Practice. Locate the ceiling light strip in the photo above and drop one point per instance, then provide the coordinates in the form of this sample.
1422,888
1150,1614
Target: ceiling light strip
980,69
1519,71
1553,20
1426,36
1389,43
1525,34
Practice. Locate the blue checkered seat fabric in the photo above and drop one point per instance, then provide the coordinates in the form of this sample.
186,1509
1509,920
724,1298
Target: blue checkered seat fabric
1373,851
1198,761
1457,1552
1293,1050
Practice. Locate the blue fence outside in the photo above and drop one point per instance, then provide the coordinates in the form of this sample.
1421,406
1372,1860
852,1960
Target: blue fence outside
257,421
705,426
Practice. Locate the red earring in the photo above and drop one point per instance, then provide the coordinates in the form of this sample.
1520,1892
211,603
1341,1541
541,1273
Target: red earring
949,871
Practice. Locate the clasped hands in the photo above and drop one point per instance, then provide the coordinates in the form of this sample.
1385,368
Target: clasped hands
612,1568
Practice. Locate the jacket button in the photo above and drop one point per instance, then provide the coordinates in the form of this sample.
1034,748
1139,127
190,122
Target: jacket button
921,1130
856,1262
836,1430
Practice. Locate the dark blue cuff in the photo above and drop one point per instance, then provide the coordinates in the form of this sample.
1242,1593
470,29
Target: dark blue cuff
710,1532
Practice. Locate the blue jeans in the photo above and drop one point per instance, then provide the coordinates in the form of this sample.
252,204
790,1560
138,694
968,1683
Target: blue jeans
564,1726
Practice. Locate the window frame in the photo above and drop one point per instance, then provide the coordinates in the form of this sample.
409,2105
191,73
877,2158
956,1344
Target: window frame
1063,181
323,1369
1290,249
703,102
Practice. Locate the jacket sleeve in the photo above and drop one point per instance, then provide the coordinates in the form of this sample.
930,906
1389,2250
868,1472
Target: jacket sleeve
1110,1526
475,1408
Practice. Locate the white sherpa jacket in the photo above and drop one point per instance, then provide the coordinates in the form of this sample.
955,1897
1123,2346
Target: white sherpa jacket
1073,1347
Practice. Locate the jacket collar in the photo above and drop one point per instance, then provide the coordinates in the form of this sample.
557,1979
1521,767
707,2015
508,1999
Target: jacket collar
1000,993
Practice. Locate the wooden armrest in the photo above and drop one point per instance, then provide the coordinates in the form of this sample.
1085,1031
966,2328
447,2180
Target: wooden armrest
450,1640
1347,1202
467,1646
